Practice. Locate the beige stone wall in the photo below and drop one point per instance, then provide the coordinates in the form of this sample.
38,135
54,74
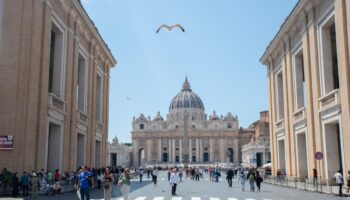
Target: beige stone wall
302,29
25,102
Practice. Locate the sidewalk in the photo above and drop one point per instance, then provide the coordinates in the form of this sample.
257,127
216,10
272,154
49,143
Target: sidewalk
323,185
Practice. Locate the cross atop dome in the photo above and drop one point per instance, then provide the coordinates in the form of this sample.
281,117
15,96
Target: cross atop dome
186,86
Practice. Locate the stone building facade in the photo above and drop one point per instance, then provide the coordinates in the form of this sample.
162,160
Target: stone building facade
119,154
309,89
187,135
257,152
54,84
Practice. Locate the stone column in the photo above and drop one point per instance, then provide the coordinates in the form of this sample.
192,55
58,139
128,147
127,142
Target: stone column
211,150
180,150
149,153
174,152
170,146
197,150
160,150
190,150
200,149
222,150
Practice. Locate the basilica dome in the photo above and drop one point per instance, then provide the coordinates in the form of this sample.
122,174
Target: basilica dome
186,100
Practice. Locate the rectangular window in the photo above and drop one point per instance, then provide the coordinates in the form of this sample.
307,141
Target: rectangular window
142,126
99,95
329,58
279,96
299,80
229,125
81,84
56,63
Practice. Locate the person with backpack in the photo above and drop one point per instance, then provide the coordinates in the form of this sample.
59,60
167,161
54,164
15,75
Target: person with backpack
258,180
229,176
251,180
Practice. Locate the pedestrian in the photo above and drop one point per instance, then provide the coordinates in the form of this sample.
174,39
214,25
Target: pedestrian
348,182
251,179
169,174
15,185
107,184
35,185
84,183
217,175
57,175
181,174
154,175
124,182
140,173
99,179
314,173
148,172
241,180
49,178
174,180
197,174
229,176
339,180
258,180
25,184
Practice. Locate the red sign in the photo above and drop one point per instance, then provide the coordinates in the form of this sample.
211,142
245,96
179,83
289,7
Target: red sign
318,155
6,142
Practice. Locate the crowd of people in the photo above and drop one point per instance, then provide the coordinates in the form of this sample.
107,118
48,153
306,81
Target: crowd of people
86,179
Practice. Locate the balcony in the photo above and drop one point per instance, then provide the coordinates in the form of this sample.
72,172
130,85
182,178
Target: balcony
279,125
99,126
329,100
299,115
82,117
56,102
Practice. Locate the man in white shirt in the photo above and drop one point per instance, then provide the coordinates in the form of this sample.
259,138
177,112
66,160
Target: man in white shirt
154,175
340,181
174,180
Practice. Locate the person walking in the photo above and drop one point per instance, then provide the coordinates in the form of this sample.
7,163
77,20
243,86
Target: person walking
348,182
258,180
25,184
169,174
181,174
314,180
340,181
174,180
35,185
229,176
217,175
251,179
241,180
141,174
154,175
107,184
15,185
124,182
84,179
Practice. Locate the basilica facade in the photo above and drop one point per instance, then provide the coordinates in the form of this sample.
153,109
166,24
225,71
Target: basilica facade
187,135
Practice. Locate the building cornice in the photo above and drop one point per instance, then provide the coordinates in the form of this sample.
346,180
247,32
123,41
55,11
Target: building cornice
77,4
283,30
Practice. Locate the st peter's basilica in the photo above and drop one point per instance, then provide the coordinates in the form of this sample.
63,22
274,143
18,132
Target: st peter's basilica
187,135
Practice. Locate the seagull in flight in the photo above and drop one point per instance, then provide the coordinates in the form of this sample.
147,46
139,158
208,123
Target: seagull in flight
171,27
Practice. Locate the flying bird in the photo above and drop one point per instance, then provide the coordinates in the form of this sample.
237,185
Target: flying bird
127,98
170,28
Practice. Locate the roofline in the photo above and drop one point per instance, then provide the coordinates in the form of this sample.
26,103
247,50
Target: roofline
285,25
94,29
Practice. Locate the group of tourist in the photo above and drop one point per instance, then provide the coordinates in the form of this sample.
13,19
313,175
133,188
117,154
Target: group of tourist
36,182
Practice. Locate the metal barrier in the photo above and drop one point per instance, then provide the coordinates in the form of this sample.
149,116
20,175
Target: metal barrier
320,185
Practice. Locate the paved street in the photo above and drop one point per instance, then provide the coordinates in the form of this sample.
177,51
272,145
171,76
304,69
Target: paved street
202,190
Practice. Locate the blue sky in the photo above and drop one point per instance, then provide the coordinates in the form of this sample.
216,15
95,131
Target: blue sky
219,53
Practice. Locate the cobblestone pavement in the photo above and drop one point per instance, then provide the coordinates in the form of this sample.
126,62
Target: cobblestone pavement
201,190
